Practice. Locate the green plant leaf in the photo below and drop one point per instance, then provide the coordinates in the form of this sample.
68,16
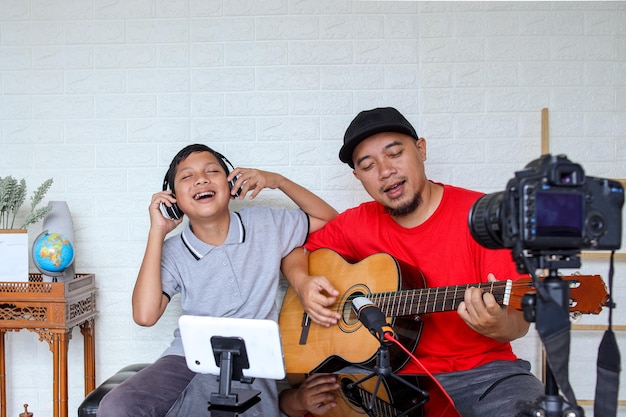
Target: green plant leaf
12,197
34,216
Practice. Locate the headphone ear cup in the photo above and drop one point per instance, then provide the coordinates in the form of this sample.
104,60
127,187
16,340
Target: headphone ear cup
225,164
174,212
231,185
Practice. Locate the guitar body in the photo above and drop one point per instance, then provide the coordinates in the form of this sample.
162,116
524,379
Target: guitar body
306,345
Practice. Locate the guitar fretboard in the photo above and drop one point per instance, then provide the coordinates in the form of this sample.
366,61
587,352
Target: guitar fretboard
432,300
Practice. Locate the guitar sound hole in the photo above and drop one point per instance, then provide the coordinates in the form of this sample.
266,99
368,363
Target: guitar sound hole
347,314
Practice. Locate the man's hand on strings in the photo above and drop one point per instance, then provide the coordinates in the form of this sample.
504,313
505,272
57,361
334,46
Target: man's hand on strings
317,295
482,313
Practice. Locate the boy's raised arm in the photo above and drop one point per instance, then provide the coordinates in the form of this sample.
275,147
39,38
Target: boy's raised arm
148,300
254,180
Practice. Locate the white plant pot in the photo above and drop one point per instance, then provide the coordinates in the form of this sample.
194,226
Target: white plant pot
14,255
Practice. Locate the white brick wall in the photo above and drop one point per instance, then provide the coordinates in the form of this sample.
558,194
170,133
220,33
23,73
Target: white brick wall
100,95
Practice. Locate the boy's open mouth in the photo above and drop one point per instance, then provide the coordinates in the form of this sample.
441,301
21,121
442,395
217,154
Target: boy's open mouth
201,196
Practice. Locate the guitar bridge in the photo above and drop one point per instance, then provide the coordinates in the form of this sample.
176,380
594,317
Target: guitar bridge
306,325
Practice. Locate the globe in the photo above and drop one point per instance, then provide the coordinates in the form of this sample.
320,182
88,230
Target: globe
53,253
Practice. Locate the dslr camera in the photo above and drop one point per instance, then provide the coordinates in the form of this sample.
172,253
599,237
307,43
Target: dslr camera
551,206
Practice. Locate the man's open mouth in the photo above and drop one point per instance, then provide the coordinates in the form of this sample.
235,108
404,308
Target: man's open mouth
394,187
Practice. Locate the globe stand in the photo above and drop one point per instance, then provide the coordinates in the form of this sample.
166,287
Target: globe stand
55,278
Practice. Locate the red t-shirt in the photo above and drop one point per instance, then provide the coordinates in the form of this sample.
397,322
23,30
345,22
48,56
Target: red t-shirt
446,253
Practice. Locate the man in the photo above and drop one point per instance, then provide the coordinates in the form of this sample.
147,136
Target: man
425,224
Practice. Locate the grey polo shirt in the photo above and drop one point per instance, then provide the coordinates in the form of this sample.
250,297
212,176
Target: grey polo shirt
238,278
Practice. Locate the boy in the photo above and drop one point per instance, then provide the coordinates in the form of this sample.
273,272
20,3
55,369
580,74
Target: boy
223,263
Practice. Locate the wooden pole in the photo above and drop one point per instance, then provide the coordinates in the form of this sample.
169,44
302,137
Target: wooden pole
545,132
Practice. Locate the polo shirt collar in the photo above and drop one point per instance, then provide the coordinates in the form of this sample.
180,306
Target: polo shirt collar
199,249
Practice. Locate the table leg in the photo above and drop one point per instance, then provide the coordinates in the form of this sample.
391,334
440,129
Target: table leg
3,378
88,330
55,374
59,391
63,371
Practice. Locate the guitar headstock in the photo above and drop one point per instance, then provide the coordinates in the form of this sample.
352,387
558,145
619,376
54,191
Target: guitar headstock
587,293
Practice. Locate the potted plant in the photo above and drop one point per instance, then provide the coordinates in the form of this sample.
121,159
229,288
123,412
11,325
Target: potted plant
14,241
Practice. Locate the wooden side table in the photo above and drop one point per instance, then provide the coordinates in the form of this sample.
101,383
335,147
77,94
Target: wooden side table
51,309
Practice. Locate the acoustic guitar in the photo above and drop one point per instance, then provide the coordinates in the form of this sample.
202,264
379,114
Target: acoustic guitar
401,296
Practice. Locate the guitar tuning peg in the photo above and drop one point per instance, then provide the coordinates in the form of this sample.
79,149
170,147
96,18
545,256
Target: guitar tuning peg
575,316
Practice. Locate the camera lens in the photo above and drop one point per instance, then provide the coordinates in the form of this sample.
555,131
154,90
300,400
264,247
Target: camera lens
485,221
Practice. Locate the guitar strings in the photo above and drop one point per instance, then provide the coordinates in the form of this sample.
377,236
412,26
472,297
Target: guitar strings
424,300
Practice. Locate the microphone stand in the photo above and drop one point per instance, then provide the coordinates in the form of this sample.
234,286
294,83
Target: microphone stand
382,370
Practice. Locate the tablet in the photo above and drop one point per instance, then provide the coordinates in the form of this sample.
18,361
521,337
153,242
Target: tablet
261,339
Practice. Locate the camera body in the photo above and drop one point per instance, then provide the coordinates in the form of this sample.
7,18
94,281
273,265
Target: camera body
551,205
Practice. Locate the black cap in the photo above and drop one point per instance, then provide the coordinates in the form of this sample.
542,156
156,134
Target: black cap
370,122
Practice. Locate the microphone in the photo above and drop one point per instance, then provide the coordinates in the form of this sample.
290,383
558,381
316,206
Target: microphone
372,318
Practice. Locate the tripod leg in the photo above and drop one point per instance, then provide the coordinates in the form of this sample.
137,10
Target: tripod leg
412,386
360,381
355,384
375,392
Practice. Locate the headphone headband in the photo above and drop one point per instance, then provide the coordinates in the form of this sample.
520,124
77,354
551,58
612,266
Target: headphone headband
175,212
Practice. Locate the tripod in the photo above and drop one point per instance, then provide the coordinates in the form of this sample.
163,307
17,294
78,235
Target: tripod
382,370
549,308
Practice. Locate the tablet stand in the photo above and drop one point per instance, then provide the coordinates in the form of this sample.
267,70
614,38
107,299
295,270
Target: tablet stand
231,356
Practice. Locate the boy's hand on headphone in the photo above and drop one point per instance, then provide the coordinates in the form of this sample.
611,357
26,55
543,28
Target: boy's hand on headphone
253,180
157,217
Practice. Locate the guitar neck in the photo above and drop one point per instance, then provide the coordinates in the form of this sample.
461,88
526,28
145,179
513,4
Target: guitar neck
433,300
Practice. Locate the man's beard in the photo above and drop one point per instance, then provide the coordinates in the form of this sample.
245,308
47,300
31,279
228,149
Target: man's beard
406,208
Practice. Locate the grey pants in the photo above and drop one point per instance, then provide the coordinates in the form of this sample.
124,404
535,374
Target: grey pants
149,393
496,389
